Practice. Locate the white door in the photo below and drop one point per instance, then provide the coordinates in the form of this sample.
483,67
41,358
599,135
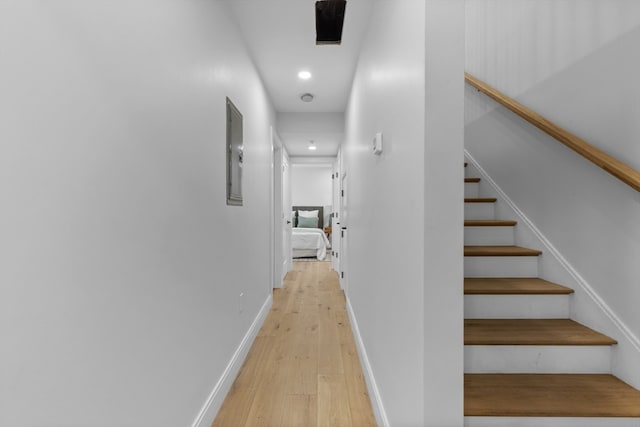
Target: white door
344,221
286,210
335,220
278,214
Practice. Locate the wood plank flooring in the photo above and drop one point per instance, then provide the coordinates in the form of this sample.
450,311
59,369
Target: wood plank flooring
512,286
500,251
480,199
531,332
303,368
489,223
549,395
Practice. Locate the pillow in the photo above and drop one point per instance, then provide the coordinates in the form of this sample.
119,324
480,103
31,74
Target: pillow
308,214
304,222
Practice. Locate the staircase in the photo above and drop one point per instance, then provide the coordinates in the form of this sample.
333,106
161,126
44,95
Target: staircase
526,363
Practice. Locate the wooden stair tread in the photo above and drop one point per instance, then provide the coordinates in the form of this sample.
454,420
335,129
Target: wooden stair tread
500,251
549,395
531,332
480,200
472,180
513,286
489,223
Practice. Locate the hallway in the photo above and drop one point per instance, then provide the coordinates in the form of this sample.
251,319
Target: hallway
127,272
303,368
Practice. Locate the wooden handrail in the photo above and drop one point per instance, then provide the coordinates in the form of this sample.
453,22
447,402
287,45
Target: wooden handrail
615,167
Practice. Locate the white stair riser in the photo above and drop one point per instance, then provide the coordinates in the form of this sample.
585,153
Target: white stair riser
549,422
479,211
501,266
537,359
489,236
471,189
516,306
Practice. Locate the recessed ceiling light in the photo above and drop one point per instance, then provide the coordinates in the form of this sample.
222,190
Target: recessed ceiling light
304,75
306,97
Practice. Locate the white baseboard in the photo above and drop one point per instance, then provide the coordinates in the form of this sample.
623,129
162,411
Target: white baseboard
216,397
374,393
627,354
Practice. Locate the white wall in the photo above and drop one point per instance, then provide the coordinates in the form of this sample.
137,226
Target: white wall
385,261
444,214
121,263
582,52
389,286
575,62
311,185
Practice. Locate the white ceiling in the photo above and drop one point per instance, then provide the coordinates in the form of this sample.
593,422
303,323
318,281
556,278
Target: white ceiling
280,35
325,129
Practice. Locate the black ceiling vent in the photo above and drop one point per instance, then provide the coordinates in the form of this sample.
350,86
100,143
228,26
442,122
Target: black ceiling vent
329,20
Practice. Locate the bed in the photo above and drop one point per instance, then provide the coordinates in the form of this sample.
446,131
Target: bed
308,241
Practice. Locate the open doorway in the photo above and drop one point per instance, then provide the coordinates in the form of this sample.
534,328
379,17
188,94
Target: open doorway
313,140
312,201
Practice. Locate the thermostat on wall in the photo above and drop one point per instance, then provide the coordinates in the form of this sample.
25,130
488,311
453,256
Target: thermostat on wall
377,143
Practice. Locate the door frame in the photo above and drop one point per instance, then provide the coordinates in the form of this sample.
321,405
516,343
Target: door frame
279,214
287,221
275,218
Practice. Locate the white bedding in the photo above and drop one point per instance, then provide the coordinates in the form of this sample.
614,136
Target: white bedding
310,238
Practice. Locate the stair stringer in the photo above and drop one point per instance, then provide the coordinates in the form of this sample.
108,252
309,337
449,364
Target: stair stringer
586,306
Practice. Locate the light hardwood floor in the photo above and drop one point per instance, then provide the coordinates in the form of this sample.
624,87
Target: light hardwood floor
303,369
550,395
